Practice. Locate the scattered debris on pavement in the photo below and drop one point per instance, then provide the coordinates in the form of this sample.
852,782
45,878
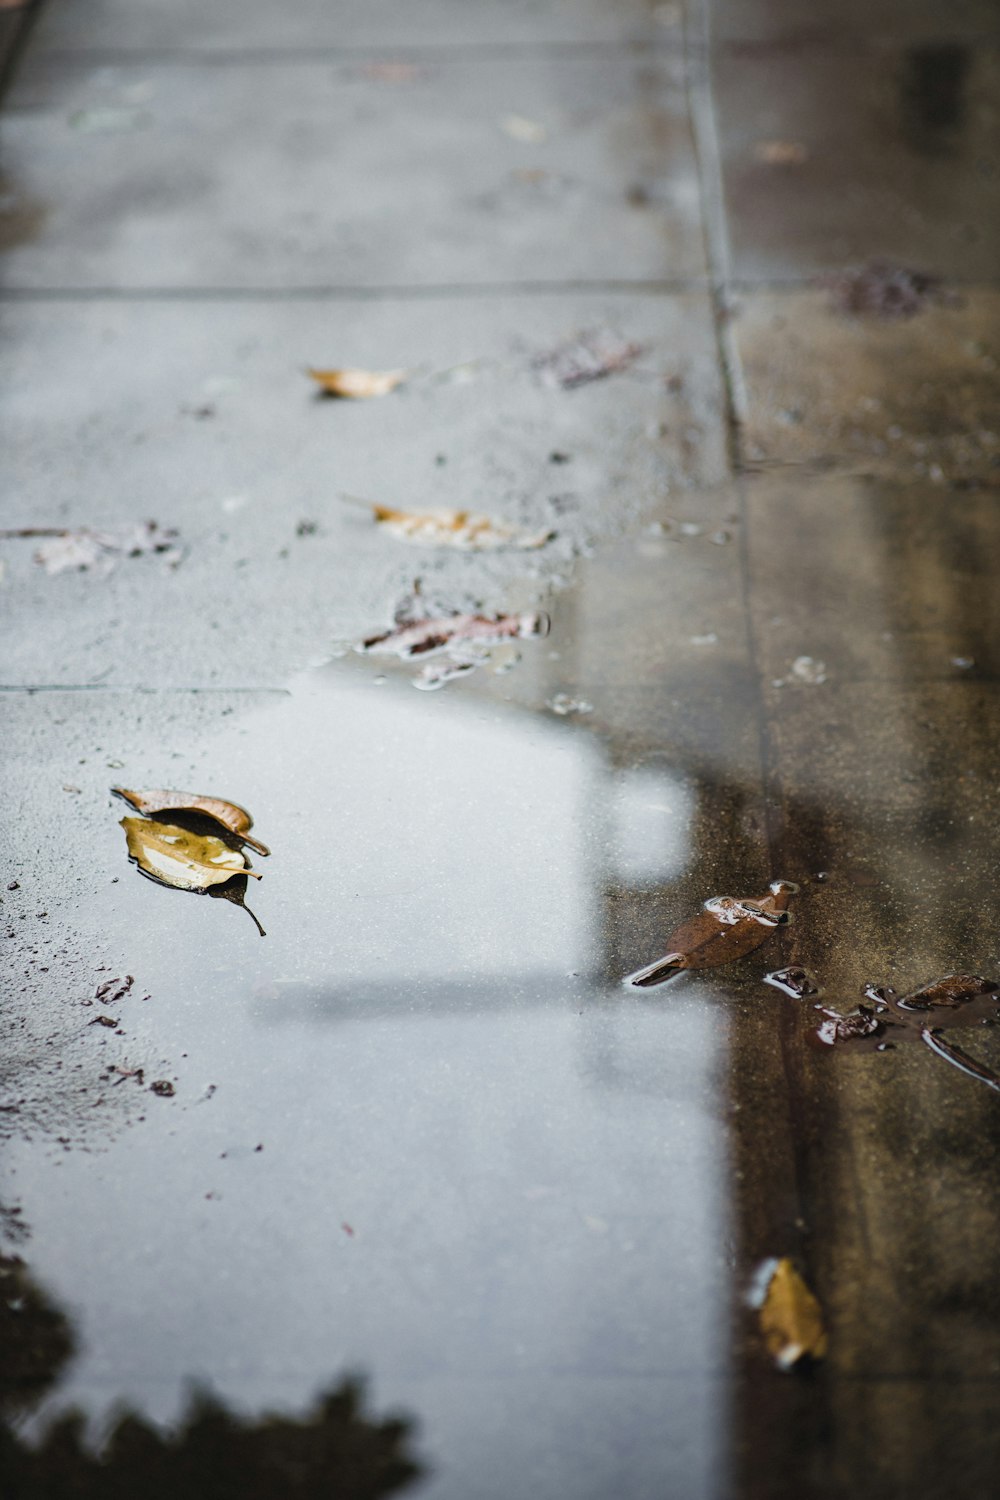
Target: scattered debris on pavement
955,1000
795,980
592,356
881,289
463,638
64,549
564,704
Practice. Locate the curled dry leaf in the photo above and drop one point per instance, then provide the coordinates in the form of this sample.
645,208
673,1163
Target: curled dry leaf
179,858
358,385
727,928
955,1000
791,1319
456,528
232,817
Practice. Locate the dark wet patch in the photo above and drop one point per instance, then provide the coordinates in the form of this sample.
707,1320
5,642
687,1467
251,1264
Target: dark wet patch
884,290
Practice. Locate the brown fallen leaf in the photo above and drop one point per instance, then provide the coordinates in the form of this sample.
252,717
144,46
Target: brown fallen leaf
456,528
727,928
231,816
413,638
358,385
177,857
890,1019
791,1319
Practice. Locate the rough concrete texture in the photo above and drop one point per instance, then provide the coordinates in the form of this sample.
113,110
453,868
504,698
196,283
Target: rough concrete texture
150,176
419,1135
205,420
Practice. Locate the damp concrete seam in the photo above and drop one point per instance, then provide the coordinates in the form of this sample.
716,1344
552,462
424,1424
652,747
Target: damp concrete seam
708,159
662,287
429,52
31,688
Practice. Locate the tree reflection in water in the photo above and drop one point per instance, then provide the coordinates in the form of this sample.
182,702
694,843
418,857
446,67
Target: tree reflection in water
335,1451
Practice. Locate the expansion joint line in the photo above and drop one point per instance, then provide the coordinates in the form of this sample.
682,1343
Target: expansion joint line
701,112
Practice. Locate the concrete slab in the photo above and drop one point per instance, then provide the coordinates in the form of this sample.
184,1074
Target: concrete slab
303,174
202,418
137,25
906,170
907,399
850,21
839,606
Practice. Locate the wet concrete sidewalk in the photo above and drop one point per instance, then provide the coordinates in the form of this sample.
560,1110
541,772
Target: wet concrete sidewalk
412,1195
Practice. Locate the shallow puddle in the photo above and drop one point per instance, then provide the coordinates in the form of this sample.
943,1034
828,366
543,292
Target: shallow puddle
414,1135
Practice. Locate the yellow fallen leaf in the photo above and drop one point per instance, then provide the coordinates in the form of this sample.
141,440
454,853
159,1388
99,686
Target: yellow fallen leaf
358,385
455,528
791,1319
182,859
229,814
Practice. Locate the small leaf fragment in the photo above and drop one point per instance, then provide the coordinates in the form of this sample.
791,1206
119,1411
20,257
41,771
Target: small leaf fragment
795,980
86,550
413,638
179,858
791,1319
593,356
229,814
357,385
727,928
456,528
